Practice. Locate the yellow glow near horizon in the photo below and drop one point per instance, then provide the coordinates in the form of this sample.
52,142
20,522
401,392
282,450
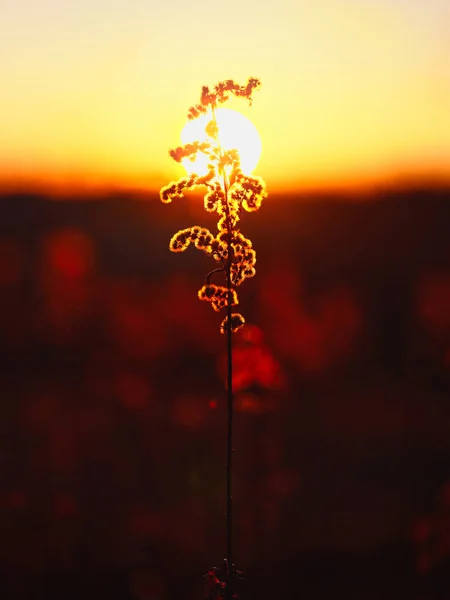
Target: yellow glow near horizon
97,91
236,132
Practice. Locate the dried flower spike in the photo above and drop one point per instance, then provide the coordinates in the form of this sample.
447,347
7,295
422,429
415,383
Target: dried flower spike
229,191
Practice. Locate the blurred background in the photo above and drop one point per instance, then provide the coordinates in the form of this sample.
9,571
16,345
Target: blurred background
113,401
113,417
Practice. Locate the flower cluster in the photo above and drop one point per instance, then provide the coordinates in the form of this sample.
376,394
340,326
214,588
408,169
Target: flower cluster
229,191
218,295
199,236
235,322
221,93
188,151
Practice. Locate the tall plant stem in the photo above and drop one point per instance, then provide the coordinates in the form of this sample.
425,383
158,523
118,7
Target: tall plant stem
230,399
230,395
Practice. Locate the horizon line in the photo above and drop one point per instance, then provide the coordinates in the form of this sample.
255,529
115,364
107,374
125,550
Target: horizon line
87,190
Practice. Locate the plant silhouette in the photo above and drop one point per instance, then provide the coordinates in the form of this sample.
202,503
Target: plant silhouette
229,192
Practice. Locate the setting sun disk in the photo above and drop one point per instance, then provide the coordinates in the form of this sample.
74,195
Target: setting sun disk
236,132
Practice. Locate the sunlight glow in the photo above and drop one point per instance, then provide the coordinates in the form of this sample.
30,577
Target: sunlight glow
236,131
356,93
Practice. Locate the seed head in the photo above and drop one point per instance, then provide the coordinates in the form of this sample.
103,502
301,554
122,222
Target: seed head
229,191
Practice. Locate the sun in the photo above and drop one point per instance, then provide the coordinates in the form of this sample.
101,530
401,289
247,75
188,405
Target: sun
236,131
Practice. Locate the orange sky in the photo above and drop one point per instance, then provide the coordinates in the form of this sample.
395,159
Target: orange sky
95,92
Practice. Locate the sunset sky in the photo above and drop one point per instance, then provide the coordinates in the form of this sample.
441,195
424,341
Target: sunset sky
95,92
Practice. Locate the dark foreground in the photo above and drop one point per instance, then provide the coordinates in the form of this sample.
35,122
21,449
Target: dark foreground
112,401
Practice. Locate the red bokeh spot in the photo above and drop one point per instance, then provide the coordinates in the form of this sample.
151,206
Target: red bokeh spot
247,402
434,303
69,253
316,334
251,334
213,404
255,366
340,322
253,362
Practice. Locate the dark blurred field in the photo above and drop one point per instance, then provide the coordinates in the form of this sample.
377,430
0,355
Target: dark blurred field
112,401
